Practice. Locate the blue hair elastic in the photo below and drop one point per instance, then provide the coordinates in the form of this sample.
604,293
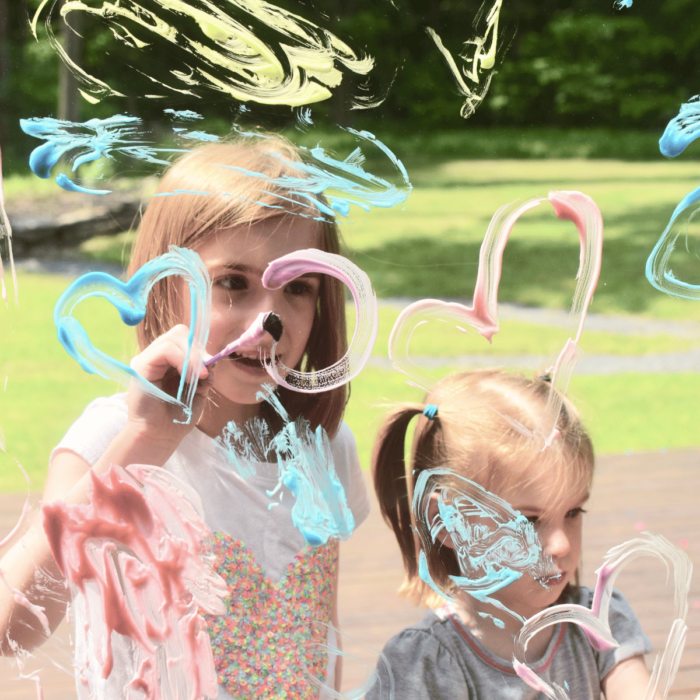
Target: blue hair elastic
430,411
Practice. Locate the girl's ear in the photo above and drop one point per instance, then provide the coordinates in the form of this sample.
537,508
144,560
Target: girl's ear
434,514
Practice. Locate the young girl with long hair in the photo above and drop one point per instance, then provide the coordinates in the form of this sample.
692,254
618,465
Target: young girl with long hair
464,648
280,589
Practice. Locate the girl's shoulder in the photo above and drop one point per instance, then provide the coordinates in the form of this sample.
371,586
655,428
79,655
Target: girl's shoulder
624,625
96,427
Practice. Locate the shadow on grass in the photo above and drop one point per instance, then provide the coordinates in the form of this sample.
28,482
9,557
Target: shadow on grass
536,272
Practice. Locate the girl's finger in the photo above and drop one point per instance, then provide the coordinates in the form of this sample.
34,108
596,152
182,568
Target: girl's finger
153,363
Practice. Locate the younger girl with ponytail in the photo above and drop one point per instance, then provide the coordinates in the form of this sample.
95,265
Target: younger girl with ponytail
464,648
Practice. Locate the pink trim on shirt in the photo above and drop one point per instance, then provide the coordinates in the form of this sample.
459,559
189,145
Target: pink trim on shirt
454,619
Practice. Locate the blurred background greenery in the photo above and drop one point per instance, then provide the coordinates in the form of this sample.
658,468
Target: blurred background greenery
581,91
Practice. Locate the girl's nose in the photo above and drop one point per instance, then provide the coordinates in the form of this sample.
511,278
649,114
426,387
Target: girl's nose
556,543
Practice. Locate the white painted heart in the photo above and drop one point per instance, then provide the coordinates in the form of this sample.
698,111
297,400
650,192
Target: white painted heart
595,622
483,314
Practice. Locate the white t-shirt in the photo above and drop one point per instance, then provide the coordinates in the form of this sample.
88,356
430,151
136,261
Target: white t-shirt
276,580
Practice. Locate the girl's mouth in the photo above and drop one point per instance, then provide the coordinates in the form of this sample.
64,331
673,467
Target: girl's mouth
553,581
250,363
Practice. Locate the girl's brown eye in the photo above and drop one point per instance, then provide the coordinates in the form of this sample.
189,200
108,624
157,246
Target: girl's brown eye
300,288
233,282
534,519
574,513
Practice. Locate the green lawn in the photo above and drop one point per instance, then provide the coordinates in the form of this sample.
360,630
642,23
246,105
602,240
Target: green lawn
428,249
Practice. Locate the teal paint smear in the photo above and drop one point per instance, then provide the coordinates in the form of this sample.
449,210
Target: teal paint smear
320,172
679,133
494,544
67,184
306,467
94,140
184,114
496,621
623,4
201,136
129,298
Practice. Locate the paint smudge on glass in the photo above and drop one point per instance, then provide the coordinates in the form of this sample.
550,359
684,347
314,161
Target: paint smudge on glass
379,678
280,272
94,140
680,132
129,298
623,4
137,554
595,623
346,181
219,52
482,316
482,59
494,544
6,240
306,468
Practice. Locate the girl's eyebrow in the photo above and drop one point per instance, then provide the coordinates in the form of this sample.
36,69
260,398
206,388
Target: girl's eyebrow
241,267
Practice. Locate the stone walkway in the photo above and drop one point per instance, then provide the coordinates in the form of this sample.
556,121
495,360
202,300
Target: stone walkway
657,492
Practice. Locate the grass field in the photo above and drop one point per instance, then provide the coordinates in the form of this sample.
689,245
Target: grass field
428,249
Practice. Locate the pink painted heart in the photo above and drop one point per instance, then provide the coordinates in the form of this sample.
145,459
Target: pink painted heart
595,623
273,622
281,271
482,316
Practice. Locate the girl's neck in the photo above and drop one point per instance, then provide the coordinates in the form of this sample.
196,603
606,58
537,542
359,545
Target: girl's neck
219,411
478,618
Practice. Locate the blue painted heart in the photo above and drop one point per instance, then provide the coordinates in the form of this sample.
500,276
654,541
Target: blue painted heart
130,299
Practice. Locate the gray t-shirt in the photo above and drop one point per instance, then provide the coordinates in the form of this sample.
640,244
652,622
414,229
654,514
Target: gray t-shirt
438,659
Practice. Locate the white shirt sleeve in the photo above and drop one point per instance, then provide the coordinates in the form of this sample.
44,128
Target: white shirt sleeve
349,471
98,425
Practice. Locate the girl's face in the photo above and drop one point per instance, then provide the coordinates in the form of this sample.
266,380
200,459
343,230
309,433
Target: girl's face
236,259
560,536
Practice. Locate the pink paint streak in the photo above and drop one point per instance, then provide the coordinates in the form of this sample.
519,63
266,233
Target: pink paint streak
142,543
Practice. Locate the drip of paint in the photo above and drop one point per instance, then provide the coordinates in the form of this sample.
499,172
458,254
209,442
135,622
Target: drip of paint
482,316
220,53
280,272
595,623
6,235
346,179
484,59
137,554
680,132
494,544
622,4
130,298
306,468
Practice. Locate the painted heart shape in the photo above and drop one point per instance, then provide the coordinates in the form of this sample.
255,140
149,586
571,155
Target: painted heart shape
129,298
482,316
281,271
494,544
595,622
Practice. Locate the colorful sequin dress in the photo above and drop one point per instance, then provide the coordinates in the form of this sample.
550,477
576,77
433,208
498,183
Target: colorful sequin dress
280,626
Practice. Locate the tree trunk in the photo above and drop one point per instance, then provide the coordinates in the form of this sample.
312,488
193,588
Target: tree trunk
69,102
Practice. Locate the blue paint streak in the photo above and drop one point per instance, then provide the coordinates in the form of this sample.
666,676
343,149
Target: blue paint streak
85,142
129,298
306,467
496,621
494,544
183,114
201,136
67,184
682,130
321,172
623,4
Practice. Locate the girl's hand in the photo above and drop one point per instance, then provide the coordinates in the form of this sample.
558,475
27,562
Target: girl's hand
161,363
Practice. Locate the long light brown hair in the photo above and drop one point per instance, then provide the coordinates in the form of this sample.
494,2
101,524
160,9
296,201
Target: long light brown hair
207,198
472,437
